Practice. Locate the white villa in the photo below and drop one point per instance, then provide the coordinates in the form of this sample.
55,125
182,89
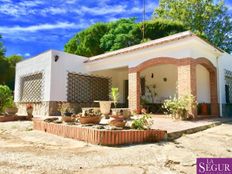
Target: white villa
153,71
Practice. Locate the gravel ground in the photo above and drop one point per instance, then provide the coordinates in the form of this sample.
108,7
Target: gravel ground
23,150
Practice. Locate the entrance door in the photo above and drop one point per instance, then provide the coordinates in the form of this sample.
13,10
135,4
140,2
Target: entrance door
126,92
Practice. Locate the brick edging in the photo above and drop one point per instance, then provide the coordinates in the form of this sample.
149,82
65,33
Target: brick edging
100,136
12,118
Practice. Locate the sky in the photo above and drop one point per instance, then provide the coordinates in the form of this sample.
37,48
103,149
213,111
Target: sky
29,27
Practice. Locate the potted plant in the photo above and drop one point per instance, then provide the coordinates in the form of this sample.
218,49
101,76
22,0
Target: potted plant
118,120
11,109
90,117
66,113
179,107
29,109
115,96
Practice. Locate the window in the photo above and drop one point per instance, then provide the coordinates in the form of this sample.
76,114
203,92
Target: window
31,88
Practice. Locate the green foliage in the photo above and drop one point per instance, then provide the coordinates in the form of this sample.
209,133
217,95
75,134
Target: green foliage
122,33
207,18
104,37
115,95
7,67
6,98
179,107
2,48
142,123
158,28
87,42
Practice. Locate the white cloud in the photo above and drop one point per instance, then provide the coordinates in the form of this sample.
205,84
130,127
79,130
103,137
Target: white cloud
102,10
35,28
27,55
53,11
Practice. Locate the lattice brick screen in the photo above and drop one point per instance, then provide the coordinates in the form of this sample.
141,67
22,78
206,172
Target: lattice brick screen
228,81
86,88
31,88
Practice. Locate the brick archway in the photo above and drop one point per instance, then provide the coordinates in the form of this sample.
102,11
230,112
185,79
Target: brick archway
213,83
186,79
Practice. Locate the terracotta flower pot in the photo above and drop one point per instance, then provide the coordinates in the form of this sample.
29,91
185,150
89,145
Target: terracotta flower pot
204,109
11,111
29,112
67,119
90,119
117,123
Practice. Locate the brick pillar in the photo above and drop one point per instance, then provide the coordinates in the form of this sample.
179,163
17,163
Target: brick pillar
134,90
187,80
213,94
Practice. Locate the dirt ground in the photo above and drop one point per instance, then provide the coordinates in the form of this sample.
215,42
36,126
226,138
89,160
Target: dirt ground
23,150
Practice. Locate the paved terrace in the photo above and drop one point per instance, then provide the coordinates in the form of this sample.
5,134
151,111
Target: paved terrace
176,128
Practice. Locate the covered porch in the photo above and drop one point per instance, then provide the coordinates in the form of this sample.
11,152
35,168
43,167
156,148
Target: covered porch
166,77
153,81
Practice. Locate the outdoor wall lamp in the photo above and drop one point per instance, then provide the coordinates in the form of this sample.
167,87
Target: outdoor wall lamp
152,75
56,58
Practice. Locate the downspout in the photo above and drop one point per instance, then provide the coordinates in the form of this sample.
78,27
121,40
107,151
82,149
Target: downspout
219,86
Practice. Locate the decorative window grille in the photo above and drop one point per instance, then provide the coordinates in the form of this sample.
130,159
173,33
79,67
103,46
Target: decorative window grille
228,86
87,88
31,88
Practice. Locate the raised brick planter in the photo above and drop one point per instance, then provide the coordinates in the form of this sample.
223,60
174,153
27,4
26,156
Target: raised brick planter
101,136
12,118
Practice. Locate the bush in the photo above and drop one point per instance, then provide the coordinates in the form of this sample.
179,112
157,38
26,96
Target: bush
144,122
6,98
180,107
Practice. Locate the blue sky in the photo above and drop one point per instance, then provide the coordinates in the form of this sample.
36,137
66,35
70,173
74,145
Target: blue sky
29,27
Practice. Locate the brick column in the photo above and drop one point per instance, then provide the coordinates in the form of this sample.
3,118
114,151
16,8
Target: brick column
187,79
213,94
134,90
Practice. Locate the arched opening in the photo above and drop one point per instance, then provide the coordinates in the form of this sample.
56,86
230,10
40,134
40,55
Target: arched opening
157,83
193,76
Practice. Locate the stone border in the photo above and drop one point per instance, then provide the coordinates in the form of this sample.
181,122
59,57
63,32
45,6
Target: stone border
101,136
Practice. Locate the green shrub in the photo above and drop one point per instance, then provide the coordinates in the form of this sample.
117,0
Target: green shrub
142,123
6,98
179,107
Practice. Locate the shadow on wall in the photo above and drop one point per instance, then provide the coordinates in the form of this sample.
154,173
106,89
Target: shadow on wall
227,110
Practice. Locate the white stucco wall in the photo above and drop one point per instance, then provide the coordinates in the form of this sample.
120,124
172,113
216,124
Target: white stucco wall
225,63
118,77
40,63
164,89
203,84
55,73
59,70
189,47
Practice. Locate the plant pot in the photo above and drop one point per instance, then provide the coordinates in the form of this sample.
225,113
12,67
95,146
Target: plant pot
90,119
11,111
204,109
117,123
29,112
69,114
126,114
118,117
105,107
67,119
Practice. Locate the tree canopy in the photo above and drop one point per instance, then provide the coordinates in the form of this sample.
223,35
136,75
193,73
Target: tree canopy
103,37
207,18
7,67
87,42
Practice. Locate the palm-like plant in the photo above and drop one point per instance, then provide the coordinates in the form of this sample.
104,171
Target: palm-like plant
115,95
